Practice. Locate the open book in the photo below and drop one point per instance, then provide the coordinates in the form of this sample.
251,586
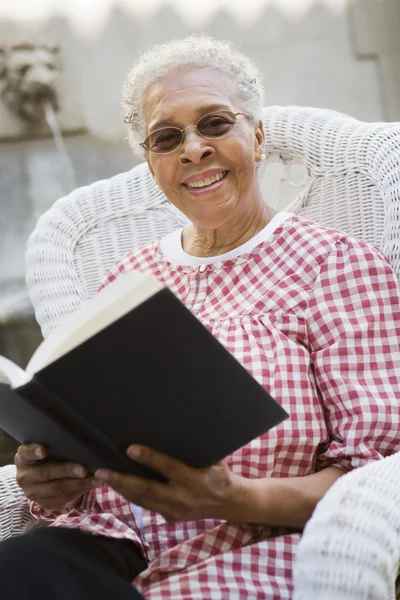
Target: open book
110,304
134,365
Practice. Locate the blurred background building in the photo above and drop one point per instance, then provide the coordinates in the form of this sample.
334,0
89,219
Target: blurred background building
338,54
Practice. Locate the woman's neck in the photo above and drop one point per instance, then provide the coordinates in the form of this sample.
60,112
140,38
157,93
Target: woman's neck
202,242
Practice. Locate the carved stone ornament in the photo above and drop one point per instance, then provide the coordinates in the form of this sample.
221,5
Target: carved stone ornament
29,77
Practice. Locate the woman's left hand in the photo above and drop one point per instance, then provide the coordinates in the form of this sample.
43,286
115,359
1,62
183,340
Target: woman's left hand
189,494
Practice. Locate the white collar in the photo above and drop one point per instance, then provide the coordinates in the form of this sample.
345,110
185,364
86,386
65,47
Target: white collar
171,244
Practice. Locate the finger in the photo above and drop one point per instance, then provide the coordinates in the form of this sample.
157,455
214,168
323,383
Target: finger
30,453
163,498
170,467
64,489
58,504
135,489
49,471
72,504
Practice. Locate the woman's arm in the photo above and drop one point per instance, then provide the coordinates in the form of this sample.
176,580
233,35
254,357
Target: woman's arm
217,493
353,324
281,502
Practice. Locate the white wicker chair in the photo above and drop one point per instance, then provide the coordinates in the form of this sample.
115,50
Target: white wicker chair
76,241
354,185
350,549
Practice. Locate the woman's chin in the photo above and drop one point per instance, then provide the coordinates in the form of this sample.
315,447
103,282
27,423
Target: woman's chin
212,215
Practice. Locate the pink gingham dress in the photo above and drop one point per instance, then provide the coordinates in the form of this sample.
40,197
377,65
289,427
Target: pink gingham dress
315,317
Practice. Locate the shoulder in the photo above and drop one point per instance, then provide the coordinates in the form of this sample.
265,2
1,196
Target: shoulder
314,255
308,239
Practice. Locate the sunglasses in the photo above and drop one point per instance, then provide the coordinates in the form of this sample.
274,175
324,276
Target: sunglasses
213,125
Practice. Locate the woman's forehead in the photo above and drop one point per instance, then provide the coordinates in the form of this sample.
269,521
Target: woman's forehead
185,95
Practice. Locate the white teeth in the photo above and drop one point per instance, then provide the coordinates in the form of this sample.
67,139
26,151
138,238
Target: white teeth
207,180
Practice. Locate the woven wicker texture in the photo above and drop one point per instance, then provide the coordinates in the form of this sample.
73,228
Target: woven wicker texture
15,517
354,170
354,185
84,233
351,547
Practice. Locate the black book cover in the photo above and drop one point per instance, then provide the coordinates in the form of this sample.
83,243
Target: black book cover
157,377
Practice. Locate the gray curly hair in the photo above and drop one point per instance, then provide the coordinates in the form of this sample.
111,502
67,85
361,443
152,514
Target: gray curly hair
193,51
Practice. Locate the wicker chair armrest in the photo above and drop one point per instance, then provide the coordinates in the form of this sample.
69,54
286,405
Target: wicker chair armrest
351,546
15,517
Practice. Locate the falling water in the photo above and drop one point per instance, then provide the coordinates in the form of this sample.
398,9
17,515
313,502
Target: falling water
68,169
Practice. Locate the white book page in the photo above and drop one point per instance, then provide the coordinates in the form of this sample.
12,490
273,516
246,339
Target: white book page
114,301
12,373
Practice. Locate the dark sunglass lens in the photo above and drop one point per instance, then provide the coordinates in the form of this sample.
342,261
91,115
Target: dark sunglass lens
216,124
164,140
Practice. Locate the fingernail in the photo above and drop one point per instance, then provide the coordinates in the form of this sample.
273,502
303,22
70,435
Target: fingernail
78,471
102,474
39,452
135,451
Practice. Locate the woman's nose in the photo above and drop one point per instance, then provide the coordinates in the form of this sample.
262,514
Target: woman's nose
194,148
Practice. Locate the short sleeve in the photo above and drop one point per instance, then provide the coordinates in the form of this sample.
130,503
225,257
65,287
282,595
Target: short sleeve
353,322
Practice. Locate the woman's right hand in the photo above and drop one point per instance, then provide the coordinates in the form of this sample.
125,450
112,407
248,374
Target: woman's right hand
56,486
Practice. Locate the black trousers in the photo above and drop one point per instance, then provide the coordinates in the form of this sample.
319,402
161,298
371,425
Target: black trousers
68,564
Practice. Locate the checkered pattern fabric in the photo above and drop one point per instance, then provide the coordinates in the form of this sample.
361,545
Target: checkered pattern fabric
315,317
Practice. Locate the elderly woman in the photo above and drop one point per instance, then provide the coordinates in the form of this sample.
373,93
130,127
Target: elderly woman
311,313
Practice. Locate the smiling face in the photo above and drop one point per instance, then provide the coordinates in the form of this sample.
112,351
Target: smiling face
212,181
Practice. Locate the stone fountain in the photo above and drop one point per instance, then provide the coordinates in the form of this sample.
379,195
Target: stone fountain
30,76
30,92
46,150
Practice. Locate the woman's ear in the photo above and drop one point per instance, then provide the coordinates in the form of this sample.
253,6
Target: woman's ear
259,141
